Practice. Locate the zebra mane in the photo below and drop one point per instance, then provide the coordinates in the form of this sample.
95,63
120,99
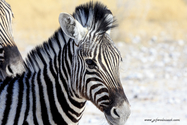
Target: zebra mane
42,54
94,16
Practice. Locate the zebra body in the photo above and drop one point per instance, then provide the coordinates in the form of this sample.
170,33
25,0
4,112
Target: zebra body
11,61
78,63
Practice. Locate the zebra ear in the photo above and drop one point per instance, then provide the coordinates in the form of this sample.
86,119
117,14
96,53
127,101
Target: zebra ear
72,27
110,19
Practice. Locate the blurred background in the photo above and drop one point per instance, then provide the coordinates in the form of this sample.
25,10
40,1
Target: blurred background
152,39
35,19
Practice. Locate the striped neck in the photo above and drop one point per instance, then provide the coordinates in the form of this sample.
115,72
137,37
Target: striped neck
51,63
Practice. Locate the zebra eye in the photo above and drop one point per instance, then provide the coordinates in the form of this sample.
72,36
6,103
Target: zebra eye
90,63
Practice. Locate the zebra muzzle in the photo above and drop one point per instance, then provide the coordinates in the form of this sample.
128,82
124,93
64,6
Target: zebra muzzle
118,115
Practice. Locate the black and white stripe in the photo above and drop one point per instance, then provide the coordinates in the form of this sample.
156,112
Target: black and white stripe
78,63
11,61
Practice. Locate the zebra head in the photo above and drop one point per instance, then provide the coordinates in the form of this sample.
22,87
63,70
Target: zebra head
11,62
95,72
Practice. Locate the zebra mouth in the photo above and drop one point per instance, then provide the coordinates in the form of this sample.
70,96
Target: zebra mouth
110,120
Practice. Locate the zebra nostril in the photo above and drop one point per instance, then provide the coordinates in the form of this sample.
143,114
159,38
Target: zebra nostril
9,70
114,113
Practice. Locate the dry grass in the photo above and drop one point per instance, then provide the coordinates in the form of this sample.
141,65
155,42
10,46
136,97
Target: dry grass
36,20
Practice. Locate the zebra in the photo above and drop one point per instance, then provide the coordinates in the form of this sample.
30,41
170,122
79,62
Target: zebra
79,63
11,61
